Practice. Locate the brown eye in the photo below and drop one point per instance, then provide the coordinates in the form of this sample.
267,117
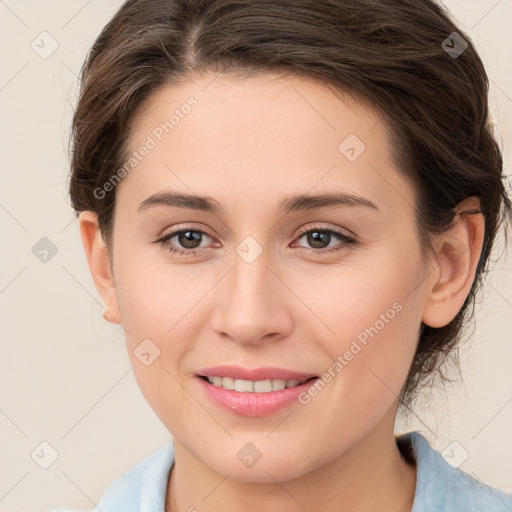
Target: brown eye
189,239
320,238
186,241
317,239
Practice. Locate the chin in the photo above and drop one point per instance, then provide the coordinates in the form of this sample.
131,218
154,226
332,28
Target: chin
279,464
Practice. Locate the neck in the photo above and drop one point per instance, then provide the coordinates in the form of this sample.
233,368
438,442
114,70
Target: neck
370,476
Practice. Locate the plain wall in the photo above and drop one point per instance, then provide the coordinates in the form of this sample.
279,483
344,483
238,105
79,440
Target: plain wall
65,375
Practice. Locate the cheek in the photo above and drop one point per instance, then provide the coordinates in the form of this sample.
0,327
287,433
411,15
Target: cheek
369,318
154,297
149,307
160,305
156,346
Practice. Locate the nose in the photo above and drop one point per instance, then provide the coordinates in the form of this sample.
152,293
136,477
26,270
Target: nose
253,304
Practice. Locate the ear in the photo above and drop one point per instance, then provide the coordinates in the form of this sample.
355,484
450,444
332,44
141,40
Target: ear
457,254
99,264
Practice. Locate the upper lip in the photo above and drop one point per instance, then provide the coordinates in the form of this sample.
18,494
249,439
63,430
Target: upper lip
270,373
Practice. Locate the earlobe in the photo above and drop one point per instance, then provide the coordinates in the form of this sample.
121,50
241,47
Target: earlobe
457,254
99,264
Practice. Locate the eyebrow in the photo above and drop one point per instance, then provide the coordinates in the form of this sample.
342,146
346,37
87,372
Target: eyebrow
296,203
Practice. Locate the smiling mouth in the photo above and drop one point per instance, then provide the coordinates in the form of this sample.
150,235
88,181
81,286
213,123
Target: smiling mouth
251,386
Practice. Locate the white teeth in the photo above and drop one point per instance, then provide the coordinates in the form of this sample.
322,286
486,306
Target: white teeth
259,386
262,386
278,384
216,381
244,385
228,383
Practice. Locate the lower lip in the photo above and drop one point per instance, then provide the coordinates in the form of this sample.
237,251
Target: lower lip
254,404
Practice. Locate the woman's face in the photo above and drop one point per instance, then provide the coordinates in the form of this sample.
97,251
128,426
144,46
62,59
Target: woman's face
267,285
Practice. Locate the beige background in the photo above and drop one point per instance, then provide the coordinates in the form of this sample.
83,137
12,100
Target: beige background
65,376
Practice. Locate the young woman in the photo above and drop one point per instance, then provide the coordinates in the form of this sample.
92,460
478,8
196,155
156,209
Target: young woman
289,207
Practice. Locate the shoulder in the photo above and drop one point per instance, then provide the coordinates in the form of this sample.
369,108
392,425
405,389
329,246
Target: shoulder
441,487
142,487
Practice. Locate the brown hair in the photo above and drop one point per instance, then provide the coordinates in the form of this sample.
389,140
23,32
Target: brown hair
393,53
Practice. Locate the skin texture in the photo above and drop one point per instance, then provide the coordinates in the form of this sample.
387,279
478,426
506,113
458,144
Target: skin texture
250,143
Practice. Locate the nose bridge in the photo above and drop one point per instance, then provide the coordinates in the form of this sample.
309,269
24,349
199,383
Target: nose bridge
250,279
250,306
249,286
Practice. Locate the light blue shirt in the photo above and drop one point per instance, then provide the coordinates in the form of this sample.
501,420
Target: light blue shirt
439,486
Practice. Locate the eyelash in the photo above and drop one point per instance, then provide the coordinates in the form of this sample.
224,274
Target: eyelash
347,241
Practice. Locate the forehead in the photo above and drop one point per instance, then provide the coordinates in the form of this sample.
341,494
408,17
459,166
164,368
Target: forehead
265,136
227,102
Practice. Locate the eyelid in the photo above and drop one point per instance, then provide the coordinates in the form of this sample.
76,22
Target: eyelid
346,240
301,231
185,227
324,227
167,237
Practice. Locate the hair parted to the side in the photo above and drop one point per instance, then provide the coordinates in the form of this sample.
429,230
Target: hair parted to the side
387,52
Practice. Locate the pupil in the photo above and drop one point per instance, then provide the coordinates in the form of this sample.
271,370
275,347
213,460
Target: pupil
314,236
187,237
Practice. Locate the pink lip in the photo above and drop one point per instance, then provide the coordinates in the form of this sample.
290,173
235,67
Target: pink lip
237,372
253,404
